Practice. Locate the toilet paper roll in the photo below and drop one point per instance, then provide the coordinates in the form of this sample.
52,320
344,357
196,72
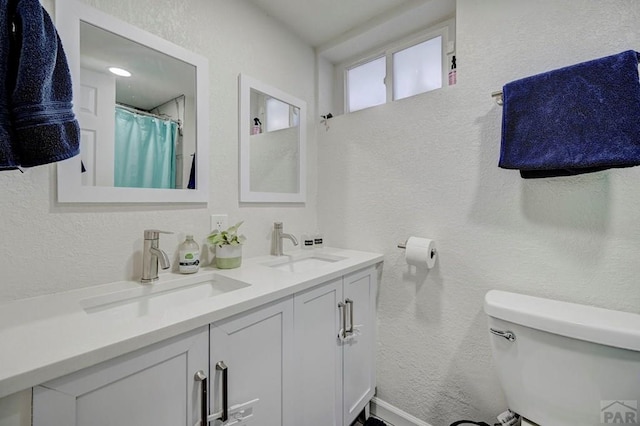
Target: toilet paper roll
420,252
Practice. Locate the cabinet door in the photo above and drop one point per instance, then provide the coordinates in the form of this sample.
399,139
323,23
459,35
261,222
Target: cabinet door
153,386
359,369
256,348
318,356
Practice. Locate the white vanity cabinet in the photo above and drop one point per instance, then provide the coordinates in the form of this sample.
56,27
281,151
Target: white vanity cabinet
157,386
256,349
153,386
335,373
304,359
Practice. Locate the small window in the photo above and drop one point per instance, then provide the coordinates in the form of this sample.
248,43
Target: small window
397,71
277,115
417,69
366,86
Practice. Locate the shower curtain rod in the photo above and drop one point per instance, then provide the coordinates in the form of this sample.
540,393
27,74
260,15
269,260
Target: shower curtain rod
149,114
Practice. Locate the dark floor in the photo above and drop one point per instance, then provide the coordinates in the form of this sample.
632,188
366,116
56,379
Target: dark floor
371,421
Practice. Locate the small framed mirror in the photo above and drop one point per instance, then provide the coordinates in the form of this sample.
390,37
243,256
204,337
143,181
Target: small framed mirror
142,104
272,133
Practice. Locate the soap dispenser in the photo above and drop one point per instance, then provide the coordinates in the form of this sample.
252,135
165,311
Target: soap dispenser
189,253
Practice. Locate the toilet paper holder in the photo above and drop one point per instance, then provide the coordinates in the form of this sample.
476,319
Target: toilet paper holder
403,246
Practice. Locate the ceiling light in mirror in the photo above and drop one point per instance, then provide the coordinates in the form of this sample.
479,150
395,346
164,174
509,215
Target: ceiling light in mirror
120,72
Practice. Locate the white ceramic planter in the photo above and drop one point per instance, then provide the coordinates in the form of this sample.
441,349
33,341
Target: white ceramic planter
228,257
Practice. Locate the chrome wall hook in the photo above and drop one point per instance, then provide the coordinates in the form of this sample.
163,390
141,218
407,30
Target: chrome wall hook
498,97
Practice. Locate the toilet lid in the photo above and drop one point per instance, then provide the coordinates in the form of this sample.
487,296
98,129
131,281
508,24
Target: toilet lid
468,422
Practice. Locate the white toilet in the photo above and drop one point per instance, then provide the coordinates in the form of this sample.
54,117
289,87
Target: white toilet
563,364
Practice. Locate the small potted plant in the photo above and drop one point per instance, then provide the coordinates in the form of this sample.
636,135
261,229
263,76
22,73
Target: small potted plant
228,246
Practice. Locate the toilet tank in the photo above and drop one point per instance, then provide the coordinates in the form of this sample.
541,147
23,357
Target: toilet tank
570,364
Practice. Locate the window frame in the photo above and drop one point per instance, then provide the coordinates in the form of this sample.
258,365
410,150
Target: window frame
388,51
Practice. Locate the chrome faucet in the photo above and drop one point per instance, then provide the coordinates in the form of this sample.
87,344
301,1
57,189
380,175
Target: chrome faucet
276,239
152,255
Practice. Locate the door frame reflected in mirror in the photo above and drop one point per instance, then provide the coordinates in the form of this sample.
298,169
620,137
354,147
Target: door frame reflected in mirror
247,194
69,14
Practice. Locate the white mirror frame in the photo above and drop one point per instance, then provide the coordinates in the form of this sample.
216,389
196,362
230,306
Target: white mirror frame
69,13
245,84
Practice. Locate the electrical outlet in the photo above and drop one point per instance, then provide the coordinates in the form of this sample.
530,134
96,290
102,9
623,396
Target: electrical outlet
219,222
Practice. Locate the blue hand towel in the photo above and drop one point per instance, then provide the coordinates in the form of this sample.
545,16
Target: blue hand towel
579,119
192,174
40,126
7,159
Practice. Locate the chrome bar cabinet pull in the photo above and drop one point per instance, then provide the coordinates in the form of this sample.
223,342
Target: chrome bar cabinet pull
204,410
343,318
349,304
221,366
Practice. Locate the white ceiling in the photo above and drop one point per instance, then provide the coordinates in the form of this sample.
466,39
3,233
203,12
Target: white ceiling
328,25
319,21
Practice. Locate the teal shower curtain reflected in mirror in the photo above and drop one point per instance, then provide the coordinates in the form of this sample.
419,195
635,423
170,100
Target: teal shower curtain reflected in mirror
145,148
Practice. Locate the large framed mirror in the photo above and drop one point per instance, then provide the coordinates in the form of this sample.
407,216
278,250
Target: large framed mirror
272,133
142,104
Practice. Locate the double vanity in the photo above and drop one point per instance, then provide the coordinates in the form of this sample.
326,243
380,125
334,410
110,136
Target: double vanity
283,340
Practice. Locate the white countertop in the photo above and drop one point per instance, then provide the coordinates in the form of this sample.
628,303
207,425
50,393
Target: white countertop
46,337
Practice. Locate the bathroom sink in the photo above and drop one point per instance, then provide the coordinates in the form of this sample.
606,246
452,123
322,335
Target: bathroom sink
303,262
155,299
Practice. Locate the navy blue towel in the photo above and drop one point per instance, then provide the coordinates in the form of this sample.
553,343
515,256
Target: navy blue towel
7,160
579,119
192,174
37,124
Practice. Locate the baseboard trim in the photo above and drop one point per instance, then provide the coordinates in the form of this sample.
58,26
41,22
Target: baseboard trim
394,415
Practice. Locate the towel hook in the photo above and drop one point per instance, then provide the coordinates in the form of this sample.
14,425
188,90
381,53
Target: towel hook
498,97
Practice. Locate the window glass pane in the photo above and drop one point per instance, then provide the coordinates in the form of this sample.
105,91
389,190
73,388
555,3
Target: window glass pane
277,115
366,85
417,69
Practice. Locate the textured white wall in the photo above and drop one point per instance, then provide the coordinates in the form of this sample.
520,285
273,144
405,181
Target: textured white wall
47,247
427,166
